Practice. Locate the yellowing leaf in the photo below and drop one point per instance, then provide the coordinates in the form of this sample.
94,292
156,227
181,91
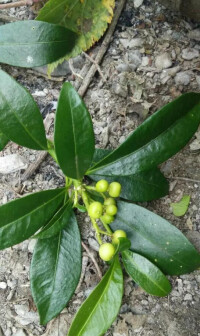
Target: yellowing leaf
88,18
180,208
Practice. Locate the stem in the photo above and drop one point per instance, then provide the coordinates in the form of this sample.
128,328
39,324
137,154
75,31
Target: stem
95,225
105,233
106,227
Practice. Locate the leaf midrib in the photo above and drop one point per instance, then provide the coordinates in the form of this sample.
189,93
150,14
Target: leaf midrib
139,149
136,267
108,283
30,213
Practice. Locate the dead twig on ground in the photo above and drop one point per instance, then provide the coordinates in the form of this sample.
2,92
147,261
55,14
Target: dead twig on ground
18,4
93,259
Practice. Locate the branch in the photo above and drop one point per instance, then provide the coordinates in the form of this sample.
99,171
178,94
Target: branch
18,4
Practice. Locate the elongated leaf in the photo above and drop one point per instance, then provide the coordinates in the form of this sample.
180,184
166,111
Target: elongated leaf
88,18
34,43
74,136
21,218
141,187
156,140
3,141
156,239
101,308
20,118
146,274
180,208
57,223
55,270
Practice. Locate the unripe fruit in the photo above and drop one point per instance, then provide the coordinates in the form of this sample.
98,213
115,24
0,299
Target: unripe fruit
106,251
111,210
95,210
118,234
109,201
115,189
102,186
107,218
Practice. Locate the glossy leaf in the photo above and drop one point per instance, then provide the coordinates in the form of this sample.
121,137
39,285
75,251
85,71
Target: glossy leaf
88,18
156,239
101,308
146,274
74,136
33,43
21,218
3,141
156,140
57,223
124,244
20,118
180,208
141,187
55,270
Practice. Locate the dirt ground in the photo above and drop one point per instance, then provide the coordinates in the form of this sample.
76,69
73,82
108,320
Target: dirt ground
153,58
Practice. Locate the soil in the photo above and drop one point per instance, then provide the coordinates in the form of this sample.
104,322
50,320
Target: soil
152,59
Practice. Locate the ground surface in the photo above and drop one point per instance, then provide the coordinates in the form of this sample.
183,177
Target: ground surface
147,41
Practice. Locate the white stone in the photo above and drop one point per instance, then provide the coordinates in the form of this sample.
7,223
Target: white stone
11,163
138,3
19,332
182,78
135,42
163,61
3,285
189,53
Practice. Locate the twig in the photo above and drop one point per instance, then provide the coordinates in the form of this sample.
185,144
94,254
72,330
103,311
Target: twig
84,265
185,179
97,65
103,49
18,4
7,18
93,259
87,80
70,62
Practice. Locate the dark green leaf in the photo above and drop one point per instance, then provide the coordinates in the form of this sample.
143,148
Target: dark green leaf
74,136
3,141
157,139
55,270
180,208
124,244
156,239
141,187
20,118
146,274
33,43
81,208
21,218
101,308
57,223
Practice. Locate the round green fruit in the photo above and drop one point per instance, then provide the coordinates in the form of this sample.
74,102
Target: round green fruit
115,189
109,201
111,210
95,210
106,251
118,234
107,218
102,186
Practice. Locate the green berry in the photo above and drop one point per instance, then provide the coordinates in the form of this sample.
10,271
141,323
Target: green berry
106,251
95,210
109,201
118,234
114,189
107,218
111,210
102,186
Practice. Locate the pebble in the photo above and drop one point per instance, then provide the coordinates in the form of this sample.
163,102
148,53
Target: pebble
3,285
195,34
188,297
189,53
182,78
20,332
138,3
93,244
135,59
123,67
135,42
163,61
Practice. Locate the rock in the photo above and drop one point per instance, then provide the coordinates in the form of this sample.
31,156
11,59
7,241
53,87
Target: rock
11,163
93,244
190,8
136,321
163,61
25,316
194,237
123,67
31,245
189,53
3,285
188,297
119,89
20,332
135,42
138,3
182,78
135,59
59,326
194,34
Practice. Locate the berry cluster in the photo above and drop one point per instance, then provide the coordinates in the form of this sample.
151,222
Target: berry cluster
106,212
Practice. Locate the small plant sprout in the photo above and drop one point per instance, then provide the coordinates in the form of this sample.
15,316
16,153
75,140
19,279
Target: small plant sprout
105,184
